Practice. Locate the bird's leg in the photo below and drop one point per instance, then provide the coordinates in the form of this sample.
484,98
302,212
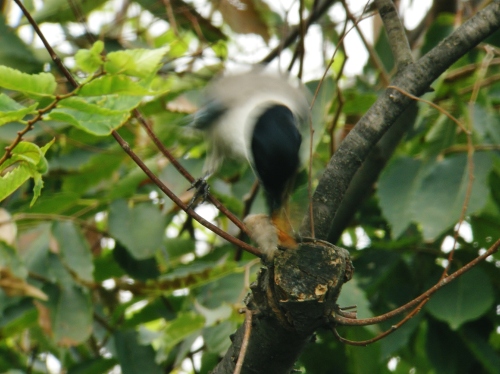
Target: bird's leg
201,191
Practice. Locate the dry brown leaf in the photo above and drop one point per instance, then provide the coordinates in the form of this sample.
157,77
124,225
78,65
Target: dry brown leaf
243,17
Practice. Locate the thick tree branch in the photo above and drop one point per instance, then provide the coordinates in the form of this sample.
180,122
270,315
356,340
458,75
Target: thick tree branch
395,31
361,185
415,79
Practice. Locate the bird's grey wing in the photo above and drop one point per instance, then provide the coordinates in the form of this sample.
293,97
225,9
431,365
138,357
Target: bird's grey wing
207,115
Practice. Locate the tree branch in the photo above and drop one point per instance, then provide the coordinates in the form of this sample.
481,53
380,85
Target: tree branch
415,79
396,33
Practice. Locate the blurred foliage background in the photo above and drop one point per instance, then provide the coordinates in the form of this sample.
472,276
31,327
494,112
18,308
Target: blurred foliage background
102,273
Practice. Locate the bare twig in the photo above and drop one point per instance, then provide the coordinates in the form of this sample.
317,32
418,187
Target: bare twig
244,343
393,328
371,321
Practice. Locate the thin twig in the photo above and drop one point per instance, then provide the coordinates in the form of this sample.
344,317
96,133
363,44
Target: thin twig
184,172
132,154
244,342
29,126
393,328
371,321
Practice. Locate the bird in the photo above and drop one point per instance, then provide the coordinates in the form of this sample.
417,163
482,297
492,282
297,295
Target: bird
256,117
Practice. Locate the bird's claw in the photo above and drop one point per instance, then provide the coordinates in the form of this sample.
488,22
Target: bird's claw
202,190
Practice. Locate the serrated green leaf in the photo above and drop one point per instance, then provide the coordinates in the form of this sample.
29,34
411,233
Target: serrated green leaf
28,152
74,249
29,161
104,105
113,84
13,179
93,123
465,299
89,60
141,229
11,111
42,84
141,63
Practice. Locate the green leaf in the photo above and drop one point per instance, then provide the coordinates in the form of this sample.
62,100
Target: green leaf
101,166
464,299
431,194
216,337
55,203
180,328
138,269
42,84
57,11
141,229
9,259
396,190
486,123
214,316
141,63
114,84
134,358
107,105
480,347
93,366
95,115
30,162
14,179
438,202
27,152
89,60
74,249
71,316
11,111
93,123
14,52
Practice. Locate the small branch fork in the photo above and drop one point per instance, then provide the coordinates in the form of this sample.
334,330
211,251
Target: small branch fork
420,301
140,163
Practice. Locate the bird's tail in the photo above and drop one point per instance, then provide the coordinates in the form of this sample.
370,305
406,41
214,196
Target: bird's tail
286,236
